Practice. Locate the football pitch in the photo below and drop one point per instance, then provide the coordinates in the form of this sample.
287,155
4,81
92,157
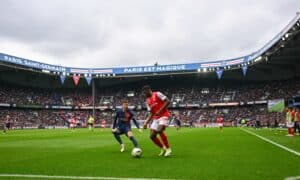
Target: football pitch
198,153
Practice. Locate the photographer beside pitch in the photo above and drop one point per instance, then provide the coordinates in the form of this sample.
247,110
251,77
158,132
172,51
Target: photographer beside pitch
157,104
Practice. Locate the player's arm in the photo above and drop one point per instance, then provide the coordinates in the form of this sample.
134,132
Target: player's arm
115,121
135,121
165,100
149,117
136,124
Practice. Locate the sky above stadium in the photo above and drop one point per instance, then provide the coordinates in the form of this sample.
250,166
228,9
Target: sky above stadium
101,33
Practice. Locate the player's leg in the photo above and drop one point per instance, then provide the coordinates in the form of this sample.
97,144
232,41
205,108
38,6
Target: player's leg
164,138
162,124
153,134
160,131
295,127
7,127
298,127
179,124
153,137
117,134
290,128
156,140
4,129
132,139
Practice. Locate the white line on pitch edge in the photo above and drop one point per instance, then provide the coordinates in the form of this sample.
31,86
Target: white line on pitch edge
292,178
72,177
272,142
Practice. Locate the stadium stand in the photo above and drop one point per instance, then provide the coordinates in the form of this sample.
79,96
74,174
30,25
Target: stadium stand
201,115
40,95
197,94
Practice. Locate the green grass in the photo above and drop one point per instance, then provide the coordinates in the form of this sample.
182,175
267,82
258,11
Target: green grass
197,154
278,136
279,107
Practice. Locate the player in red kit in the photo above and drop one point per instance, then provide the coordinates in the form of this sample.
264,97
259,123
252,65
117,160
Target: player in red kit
73,123
103,124
220,123
157,104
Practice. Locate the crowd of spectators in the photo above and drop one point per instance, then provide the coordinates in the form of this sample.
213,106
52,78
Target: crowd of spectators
31,118
114,96
231,115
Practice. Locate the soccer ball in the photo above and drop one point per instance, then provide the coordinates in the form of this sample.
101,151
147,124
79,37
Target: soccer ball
136,152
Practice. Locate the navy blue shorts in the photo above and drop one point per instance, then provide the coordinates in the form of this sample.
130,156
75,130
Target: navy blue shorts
124,129
7,125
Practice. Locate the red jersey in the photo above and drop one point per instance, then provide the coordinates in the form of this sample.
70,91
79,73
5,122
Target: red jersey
73,121
293,115
155,102
103,124
219,120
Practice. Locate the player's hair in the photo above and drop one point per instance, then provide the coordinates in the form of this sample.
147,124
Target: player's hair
125,100
146,88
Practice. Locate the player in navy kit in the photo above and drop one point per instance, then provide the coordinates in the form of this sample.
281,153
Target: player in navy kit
122,125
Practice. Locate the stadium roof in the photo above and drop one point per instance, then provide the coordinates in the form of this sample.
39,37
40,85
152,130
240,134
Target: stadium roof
277,60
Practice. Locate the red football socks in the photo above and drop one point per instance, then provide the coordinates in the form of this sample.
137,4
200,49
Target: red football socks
157,142
164,139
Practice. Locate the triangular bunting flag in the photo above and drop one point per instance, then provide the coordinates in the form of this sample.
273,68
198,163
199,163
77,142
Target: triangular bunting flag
244,68
62,79
219,73
88,80
76,79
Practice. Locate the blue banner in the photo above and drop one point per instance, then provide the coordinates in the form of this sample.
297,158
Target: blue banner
30,63
156,69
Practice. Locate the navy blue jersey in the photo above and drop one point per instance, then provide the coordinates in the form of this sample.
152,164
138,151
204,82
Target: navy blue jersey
123,119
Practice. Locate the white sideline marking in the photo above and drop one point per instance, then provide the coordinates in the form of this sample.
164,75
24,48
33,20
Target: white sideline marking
292,178
72,177
272,142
